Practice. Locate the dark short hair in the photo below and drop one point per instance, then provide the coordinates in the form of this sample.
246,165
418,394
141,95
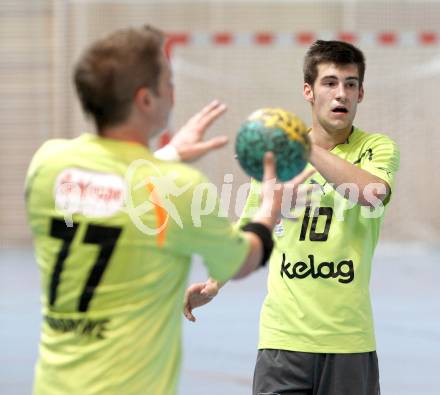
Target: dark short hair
339,53
112,69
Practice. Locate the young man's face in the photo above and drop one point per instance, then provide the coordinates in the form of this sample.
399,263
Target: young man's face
334,96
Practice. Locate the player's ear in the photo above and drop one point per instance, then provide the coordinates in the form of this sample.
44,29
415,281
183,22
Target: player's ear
308,92
142,98
361,93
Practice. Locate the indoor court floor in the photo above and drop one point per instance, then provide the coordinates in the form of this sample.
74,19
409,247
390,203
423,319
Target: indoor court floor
220,348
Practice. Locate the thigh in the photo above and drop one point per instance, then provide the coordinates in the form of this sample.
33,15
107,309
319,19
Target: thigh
347,374
283,372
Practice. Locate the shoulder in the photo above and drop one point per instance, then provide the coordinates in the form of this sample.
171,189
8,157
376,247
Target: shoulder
374,138
175,181
51,147
376,144
377,150
177,172
184,171
46,152
59,147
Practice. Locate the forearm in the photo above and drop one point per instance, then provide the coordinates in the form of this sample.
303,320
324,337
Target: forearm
267,215
339,172
254,257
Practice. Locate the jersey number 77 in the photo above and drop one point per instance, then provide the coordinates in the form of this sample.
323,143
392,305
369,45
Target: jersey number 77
105,236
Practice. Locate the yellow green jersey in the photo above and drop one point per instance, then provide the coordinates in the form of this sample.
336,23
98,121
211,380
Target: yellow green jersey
114,230
318,296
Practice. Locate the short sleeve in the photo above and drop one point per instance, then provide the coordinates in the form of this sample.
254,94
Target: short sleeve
381,157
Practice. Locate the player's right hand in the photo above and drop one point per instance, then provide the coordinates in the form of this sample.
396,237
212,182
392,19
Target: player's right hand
273,192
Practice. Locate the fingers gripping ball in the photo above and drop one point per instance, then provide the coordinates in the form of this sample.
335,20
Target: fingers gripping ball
276,130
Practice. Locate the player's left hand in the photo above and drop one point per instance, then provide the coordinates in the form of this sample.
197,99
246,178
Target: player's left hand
198,295
188,140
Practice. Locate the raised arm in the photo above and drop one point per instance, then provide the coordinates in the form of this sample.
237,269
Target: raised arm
188,143
338,171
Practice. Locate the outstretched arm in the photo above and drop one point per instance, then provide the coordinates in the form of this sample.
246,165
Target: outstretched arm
202,293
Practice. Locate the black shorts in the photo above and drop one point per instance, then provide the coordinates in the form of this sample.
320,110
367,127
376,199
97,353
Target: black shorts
301,373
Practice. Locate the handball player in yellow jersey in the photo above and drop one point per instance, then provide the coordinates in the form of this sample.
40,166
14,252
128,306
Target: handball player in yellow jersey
114,227
316,324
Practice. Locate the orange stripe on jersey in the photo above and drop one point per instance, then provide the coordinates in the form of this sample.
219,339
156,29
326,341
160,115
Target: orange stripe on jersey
161,214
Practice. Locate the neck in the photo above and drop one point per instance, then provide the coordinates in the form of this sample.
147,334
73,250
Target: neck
328,139
126,132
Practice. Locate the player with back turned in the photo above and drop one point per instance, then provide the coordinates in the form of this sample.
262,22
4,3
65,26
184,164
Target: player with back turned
114,232
316,324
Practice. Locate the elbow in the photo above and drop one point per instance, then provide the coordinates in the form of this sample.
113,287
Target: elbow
242,273
375,195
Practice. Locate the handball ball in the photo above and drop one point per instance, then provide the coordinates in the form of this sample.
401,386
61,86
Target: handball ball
276,130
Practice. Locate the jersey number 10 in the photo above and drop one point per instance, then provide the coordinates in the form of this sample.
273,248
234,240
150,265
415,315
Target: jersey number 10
313,234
